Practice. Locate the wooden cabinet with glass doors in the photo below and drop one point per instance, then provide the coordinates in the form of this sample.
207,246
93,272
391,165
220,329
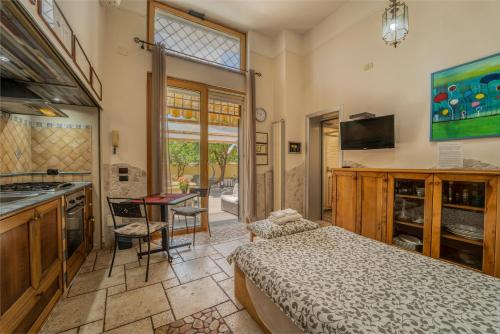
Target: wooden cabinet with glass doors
409,211
464,219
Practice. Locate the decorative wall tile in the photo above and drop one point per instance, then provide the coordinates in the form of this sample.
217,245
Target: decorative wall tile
15,144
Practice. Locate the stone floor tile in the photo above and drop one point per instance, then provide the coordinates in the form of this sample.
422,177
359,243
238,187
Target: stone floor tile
228,287
116,289
226,308
220,276
205,321
241,323
143,326
105,256
96,280
228,268
170,283
216,256
189,298
76,311
157,272
69,331
92,328
162,319
226,248
134,305
194,269
196,252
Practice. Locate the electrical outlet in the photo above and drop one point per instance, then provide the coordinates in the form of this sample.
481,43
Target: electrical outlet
368,67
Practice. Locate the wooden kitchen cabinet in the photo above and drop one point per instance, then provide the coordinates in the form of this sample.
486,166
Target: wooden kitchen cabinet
89,220
454,213
371,206
409,210
344,200
464,220
31,279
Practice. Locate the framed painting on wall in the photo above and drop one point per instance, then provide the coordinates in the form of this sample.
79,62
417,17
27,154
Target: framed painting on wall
465,100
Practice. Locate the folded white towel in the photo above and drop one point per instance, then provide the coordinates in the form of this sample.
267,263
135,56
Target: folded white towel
282,213
285,219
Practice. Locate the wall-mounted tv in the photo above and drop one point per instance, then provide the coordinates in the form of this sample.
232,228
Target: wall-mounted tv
366,134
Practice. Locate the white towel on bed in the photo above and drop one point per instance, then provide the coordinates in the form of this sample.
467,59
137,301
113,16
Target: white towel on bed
285,219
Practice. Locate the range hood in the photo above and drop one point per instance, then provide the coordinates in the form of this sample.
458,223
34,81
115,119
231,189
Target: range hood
35,79
17,99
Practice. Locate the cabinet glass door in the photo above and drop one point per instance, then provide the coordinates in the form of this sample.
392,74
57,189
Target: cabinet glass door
462,222
408,215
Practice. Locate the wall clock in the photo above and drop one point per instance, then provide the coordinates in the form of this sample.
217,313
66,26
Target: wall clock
260,114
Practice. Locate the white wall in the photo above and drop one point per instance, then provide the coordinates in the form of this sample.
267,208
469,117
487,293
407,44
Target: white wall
442,34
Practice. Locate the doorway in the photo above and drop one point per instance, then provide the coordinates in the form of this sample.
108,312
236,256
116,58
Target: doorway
203,127
323,154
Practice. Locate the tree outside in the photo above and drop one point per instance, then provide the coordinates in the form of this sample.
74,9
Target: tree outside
182,154
221,154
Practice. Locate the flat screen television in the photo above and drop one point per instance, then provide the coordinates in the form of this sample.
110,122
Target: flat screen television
367,134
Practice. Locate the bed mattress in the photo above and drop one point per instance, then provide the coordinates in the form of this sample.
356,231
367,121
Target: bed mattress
329,280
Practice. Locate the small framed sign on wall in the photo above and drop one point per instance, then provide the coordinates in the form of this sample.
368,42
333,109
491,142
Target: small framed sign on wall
261,148
294,147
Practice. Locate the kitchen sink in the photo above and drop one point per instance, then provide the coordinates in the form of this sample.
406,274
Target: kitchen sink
10,197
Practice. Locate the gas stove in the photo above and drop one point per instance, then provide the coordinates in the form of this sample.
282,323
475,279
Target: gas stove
34,186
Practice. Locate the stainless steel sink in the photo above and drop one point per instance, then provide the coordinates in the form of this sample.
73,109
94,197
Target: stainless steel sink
13,197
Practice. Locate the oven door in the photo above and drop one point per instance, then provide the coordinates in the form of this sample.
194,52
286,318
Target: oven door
74,228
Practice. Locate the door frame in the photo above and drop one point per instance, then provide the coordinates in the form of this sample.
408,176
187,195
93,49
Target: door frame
321,115
204,120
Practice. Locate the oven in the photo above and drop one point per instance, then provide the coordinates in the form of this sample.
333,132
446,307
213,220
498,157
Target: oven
75,228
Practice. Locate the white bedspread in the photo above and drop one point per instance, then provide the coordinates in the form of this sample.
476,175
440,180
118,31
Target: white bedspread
329,280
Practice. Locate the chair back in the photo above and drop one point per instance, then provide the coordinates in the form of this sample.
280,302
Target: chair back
202,192
127,210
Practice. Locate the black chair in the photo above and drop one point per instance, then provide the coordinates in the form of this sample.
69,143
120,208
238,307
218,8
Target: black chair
134,224
192,211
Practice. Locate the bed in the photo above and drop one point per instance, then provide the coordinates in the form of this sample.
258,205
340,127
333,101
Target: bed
329,280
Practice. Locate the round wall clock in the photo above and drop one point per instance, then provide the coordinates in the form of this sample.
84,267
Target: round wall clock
260,114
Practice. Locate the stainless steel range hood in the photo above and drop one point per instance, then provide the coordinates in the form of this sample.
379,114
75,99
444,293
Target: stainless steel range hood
15,98
35,78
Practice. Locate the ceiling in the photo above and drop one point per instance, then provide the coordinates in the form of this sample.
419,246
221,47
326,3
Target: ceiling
268,17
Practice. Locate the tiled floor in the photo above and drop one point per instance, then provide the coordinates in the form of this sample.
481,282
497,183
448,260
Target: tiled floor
194,294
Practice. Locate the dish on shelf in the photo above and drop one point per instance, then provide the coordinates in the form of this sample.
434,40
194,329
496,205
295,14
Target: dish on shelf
418,220
474,232
407,242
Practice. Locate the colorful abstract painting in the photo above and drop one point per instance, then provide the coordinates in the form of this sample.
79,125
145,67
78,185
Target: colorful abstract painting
466,100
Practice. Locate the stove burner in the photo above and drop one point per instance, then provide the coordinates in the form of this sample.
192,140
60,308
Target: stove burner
35,186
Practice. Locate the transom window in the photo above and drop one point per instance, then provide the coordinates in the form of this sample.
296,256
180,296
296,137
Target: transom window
199,40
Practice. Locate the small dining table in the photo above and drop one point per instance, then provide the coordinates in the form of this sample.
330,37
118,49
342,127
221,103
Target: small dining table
165,200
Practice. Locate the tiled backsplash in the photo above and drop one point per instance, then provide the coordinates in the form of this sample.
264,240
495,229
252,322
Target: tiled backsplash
32,146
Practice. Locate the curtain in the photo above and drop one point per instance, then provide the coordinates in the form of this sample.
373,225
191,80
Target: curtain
159,174
278,165
250,167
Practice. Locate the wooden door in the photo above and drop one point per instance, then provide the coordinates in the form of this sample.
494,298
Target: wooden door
31,275
344,200
89,220
422,207
448,206
371,213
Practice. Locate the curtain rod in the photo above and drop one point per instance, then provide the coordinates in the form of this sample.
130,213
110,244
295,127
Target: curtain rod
137,40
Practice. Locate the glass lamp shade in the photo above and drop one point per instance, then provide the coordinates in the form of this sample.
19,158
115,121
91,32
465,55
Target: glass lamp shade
395,23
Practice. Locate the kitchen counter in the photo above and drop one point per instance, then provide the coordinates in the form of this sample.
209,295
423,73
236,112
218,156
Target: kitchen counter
25,203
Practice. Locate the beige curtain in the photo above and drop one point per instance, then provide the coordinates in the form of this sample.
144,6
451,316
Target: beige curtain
159,174
250,168
278,165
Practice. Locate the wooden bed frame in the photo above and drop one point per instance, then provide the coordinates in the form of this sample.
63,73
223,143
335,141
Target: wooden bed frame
241,293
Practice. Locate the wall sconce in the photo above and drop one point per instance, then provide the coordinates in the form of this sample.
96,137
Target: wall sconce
115,140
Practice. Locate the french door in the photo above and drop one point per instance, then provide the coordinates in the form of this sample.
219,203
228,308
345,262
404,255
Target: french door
202,136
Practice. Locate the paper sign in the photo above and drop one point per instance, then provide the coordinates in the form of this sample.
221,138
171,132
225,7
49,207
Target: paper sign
450,155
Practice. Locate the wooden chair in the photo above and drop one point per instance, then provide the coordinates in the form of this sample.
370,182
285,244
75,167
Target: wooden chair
192,211
134,224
